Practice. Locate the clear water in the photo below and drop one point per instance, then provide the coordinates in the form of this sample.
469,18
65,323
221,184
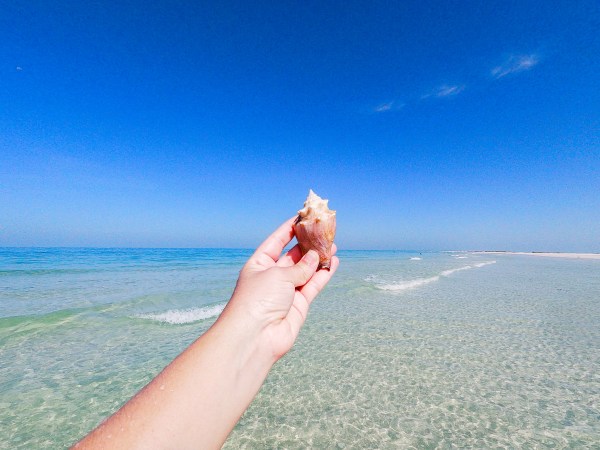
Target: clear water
450,350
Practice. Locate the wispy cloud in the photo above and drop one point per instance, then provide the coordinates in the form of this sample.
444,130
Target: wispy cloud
388,106
384,107
445,91
515,64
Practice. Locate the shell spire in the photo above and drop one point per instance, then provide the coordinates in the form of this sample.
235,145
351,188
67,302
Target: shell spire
315,228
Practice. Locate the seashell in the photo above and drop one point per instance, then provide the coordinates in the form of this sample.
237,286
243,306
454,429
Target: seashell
315,228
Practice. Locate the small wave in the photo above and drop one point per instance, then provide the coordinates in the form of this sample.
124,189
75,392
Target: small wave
182,316
416,258
447,273
408,284
421,281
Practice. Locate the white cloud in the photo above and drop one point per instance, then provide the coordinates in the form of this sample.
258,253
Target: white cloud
389,106
19,68
445,91
384,107
515,64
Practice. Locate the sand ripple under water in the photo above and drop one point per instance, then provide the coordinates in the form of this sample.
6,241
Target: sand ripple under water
396,353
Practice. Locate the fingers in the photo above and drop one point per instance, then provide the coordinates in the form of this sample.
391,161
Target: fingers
297,314
274,244
291,257
294,255
306,294
320,279
300,273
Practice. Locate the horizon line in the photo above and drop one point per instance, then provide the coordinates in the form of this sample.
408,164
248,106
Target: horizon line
288,247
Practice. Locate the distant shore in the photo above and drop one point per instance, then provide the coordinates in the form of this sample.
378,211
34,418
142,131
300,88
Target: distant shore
547,254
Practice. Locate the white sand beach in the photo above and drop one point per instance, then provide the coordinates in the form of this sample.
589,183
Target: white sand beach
549,254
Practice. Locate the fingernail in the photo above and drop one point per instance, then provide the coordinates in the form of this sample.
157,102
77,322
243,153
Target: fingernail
311,257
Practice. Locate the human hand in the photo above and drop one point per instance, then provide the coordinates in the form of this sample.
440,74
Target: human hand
274,292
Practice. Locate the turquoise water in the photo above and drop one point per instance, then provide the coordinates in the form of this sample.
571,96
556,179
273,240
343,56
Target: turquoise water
449,350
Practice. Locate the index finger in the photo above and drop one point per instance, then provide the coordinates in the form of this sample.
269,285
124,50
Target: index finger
319,280
274,244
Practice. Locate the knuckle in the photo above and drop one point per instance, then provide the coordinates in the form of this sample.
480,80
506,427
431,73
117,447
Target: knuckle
305,271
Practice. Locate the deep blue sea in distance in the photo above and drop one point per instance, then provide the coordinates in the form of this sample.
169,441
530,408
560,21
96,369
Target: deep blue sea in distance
401,350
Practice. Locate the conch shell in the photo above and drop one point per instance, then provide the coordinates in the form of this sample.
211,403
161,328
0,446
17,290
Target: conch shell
315,228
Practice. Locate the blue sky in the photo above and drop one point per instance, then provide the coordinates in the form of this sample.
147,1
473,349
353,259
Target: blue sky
428,125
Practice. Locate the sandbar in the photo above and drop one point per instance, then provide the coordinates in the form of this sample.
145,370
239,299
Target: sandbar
548,254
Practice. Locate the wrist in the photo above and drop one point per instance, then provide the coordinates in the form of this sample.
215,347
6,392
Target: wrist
246,337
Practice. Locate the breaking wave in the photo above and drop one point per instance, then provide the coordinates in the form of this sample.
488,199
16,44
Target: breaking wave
410,284
182,316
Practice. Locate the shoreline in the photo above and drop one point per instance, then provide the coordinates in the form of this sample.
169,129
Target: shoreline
546,254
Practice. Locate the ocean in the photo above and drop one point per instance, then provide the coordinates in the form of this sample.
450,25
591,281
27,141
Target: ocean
401,350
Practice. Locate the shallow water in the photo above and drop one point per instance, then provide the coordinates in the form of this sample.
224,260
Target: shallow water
450,350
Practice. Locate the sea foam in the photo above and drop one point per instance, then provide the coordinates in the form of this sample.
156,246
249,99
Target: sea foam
410,284
182,316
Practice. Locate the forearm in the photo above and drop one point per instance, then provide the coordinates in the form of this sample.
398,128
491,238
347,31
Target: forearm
197,399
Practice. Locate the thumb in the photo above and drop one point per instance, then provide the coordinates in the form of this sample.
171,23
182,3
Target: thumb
301,272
